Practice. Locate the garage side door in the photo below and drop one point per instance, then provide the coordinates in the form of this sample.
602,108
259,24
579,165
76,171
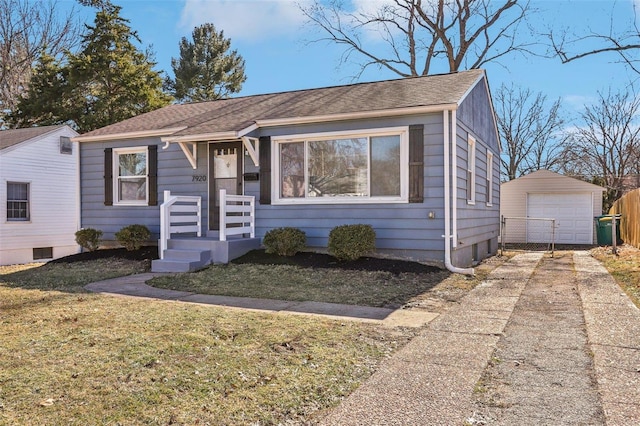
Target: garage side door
572,212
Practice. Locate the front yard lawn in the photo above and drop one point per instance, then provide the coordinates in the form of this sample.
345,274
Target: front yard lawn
311,276
69,357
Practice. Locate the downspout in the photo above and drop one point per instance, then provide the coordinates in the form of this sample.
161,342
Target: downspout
448,135
454,174
78,185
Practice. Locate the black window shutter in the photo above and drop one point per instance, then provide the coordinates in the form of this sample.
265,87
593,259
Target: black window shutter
108,177
153,175
416,163
265,169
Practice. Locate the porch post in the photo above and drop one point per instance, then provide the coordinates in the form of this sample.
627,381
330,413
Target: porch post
164,224
223,215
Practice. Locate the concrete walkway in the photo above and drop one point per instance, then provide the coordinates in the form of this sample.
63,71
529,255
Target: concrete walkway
134,285
575,334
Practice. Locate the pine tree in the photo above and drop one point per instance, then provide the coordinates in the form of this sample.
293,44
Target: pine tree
107,81
113,79
206,70
43,103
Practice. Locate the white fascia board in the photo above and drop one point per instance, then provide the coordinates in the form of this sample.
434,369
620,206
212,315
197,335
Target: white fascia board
203,137
355,115
128,135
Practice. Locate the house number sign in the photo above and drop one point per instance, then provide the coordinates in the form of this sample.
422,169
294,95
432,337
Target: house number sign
199,178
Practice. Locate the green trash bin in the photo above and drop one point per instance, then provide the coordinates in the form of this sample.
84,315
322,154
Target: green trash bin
603,230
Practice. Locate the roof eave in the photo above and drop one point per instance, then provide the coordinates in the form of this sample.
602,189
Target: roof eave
167,135
421,109
129,135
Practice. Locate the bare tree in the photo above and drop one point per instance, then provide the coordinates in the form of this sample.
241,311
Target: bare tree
621,38
606,147
418,35
27,29
530,132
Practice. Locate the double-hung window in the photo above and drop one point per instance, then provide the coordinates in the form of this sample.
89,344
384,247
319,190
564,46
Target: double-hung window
471,170
131,186
17,201
345,167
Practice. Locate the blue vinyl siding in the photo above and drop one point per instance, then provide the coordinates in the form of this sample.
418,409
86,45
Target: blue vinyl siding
402,229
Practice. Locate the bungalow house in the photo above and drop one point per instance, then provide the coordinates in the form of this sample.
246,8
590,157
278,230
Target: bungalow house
39,194
416,158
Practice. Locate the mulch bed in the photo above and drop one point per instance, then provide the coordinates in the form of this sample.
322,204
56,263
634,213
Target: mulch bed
303,259
144,253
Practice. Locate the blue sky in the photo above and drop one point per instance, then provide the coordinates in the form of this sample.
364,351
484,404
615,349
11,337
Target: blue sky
272,37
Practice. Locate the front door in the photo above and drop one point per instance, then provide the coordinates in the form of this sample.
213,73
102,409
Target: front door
225,172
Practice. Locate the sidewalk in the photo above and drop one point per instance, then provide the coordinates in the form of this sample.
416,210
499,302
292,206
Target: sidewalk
134,285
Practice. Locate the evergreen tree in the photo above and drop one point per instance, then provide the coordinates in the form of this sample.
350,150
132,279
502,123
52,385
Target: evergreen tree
108,81
113,78
206,70
47,90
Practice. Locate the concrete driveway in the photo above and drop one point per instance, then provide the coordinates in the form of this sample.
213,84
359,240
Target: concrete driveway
543,341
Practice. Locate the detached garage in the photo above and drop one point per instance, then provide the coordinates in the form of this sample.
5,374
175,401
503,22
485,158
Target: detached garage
544,194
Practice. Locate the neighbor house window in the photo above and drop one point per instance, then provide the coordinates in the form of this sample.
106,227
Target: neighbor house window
343,167
489,178
17,201
42,253
130,176
471,170
66,147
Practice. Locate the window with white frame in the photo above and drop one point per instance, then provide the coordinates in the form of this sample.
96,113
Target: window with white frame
17,201
130,184
489,178
471,170
364,166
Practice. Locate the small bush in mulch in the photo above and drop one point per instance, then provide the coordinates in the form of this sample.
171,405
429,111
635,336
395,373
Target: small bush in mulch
143,253
132,237
326,261
285,241
350,242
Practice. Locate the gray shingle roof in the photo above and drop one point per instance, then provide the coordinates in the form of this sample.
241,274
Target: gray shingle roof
235,114
15,136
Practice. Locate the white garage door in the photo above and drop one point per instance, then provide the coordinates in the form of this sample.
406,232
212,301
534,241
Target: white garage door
573,214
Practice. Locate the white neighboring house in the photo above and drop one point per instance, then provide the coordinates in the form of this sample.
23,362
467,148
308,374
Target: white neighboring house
39,194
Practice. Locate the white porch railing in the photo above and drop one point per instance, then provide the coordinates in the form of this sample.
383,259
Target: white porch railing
179,214
237,210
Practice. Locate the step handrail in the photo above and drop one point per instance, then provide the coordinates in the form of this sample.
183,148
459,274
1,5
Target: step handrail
190,221
239,210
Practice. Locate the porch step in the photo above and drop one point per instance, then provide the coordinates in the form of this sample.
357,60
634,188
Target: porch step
166,265
189,254
181,260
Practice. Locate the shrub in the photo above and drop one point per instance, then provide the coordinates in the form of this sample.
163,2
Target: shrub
89,238
285,241
133,236
350,242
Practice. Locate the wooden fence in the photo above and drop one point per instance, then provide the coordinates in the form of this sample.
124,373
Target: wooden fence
629,207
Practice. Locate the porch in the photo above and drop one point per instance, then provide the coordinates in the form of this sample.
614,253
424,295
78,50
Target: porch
182,247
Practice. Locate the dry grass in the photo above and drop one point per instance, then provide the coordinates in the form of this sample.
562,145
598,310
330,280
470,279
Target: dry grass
625,268
68,357
288,282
